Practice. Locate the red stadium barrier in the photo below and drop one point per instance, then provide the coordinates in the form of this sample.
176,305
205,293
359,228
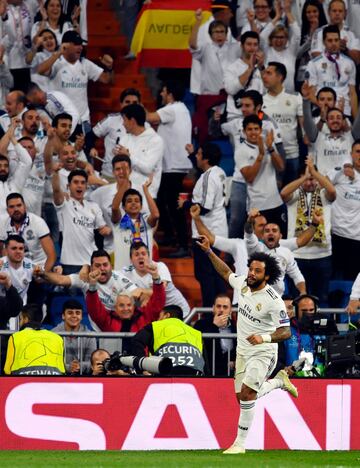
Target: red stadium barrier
149,414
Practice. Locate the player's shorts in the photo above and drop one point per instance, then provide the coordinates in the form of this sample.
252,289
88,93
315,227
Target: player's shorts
253,370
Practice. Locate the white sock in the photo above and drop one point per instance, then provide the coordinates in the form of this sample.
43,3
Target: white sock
269,386
247,412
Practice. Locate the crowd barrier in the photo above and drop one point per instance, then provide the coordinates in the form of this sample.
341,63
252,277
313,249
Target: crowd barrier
145,413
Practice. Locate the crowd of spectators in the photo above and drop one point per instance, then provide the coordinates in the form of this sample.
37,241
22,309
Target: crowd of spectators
277,82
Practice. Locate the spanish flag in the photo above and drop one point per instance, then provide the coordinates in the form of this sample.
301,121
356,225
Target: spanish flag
161,37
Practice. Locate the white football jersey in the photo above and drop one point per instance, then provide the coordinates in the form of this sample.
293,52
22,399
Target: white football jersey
259,312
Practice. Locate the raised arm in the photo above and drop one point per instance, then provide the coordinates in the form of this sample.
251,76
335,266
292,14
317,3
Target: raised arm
154,210
58,194
220,266
250,172
195,30
309,126
200,226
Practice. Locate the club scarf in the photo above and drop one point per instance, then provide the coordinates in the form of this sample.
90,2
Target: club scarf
304,214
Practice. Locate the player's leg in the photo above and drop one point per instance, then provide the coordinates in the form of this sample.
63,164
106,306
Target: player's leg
250,373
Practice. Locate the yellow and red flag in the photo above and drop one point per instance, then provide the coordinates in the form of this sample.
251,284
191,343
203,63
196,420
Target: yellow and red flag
163,28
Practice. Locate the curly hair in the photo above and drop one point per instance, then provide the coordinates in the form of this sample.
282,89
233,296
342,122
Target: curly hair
272,268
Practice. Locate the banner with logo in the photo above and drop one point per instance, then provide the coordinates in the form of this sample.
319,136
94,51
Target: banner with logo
148,414
161,37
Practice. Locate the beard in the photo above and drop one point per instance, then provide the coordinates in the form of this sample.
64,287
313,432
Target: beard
4,177
255,284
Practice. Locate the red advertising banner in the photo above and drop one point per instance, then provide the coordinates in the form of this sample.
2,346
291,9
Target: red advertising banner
150,414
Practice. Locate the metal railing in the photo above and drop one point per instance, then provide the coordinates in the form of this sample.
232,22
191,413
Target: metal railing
105,337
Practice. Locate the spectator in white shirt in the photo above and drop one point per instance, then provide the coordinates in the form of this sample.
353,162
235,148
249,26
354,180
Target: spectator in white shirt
271,245
209,194
17,22
310,194
137,273
70,74
174,122
221,11
144,147
112,129
6,78
258,162
79,219
349,44
244,73
129,225
281,44
13,181
345,217
259,17
15,106
332,148
54,103
51,18
215,57
104,196
17,266
38,244
333,68
286,109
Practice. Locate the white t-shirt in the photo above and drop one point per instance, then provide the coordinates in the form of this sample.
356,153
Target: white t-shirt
330,152
72,79
353,16
33,190
237,248
285,109
233,85
32,231
317,43
312,250
104,197
146,154
284,257
110,128
209,192
123,238
16,33
20,277
175,130
322,72
78,221
203,38
67,26
173,295
235,129
58,102
214,60
259,312
16,179
263,192
345,210
108,292
42,81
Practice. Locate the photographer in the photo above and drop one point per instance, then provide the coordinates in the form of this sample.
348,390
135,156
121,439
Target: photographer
170,337
97,364
308,331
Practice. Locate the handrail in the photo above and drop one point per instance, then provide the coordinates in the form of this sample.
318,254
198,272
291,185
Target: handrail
201,310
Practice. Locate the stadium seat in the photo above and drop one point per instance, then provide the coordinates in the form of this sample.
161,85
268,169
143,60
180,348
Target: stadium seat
227,161
56,305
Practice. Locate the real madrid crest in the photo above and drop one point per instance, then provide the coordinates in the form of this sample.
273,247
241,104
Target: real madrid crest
324,65
287,103
258,307
244,289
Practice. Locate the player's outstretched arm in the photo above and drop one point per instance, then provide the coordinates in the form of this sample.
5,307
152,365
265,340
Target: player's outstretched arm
220,266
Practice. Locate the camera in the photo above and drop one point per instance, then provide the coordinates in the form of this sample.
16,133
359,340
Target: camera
153,364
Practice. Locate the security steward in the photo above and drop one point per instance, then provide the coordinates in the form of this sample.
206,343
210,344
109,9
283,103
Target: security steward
33,351
170,337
